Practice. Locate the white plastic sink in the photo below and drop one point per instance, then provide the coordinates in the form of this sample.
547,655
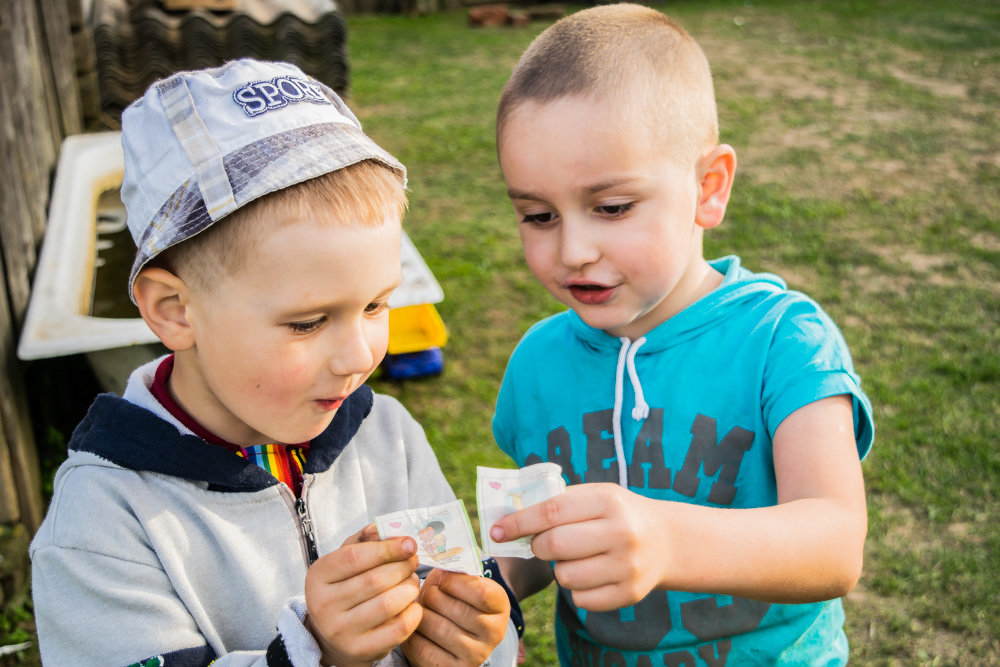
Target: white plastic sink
58,320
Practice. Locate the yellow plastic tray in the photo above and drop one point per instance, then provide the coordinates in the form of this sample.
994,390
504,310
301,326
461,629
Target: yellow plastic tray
415,328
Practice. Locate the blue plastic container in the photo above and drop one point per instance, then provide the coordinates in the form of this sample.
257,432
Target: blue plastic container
413,364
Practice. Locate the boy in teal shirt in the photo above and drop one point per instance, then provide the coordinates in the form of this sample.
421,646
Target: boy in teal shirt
708,420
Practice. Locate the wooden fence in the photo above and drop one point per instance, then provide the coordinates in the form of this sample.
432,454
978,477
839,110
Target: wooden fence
39,105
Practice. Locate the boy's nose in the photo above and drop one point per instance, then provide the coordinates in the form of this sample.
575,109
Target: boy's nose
578,245
352,352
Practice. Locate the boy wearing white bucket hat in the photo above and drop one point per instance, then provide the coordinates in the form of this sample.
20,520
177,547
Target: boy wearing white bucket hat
219,511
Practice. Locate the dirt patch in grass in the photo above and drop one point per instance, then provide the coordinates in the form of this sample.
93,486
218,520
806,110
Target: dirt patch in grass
859,134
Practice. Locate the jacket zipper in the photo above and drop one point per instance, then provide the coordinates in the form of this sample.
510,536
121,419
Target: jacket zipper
308,535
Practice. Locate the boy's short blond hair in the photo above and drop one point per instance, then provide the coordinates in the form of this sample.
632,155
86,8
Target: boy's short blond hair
365,194
633,59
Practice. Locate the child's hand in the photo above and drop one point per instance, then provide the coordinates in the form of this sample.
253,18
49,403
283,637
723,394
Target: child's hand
362,598
465,618
604,539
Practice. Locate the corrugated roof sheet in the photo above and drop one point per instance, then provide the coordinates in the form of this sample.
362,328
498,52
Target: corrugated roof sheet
137,42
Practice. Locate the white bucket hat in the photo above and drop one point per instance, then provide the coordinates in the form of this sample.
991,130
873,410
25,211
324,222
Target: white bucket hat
201,144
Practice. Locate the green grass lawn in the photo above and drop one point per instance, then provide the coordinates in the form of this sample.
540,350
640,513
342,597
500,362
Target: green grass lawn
869,177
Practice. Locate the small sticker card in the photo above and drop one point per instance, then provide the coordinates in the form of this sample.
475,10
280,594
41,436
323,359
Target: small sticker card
500,492
443,535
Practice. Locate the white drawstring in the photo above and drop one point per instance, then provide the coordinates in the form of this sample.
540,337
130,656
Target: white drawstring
641,409
616,419
626,359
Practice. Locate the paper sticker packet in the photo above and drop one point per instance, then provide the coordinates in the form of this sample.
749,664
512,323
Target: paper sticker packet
501,491
443,535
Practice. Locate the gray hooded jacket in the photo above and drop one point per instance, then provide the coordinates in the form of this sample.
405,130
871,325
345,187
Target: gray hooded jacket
161,549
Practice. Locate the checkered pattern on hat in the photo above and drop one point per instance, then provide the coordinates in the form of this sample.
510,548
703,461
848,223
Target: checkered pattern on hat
199,146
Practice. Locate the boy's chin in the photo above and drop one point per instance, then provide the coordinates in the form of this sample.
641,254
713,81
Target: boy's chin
294,436
595,320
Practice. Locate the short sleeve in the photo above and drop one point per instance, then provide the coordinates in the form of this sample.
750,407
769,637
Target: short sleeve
809,360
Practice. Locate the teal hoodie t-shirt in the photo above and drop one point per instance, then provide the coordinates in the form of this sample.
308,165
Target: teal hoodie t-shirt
686,414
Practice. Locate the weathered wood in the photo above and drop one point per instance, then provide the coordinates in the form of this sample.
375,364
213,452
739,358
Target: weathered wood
22,451
30,134
19,470
74,9
47,99
61,64
23,197
10,507
26,117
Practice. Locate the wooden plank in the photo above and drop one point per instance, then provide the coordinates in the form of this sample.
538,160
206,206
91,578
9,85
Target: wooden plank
17,435
10,510
17,243
20,475
62,64
26,150
27,153
74,9
47,104
36,147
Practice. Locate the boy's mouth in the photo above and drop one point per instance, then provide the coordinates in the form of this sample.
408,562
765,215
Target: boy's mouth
591,293
329,404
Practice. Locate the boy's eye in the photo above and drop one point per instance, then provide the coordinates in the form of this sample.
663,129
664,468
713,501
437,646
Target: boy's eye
615,210
538,218
306,327
376,307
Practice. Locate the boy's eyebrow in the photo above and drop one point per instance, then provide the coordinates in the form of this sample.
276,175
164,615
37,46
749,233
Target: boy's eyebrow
608,184
520,194
589,189
319,306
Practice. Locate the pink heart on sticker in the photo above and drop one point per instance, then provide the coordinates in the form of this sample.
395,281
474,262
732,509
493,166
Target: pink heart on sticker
494,485
395,524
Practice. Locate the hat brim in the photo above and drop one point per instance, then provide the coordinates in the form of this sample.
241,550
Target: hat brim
270,164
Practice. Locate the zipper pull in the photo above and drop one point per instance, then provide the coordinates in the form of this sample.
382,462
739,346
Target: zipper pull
307,529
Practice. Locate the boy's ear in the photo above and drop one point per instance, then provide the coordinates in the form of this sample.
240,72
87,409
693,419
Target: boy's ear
716,170
162,300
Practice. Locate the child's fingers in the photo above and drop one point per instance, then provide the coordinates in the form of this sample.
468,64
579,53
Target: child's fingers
369,533
384,607
579,503
379,640
466,631
353,559
532,520
479,593
345,578
346,595
420,650
591,573
607,598
444,614
453,641
367,630
365,586
583,539
357,537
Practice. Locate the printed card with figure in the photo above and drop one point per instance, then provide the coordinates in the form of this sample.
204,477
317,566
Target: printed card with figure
501,491
443,534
